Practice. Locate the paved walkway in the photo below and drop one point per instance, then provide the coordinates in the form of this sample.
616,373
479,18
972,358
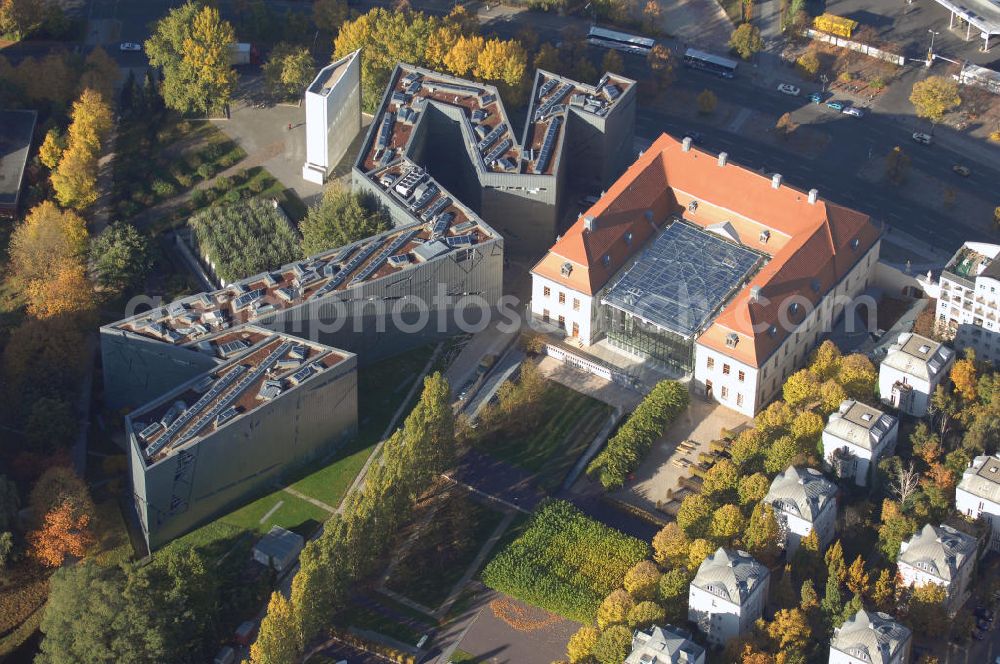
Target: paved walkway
318,503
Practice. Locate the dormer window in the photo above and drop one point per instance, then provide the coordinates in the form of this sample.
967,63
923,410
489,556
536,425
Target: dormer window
854,243
628,239
732,339
773,330
793,308
693,207
566,269
924,349
867,417
765,235
606,260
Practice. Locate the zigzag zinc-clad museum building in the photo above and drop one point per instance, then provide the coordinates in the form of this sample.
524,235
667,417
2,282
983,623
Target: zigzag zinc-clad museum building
228,390
708,269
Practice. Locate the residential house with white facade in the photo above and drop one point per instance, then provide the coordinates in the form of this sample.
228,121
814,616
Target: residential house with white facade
911,371
803,501
855,438
940,555
727,595
664,645
968,300
871,638
978,494
707,268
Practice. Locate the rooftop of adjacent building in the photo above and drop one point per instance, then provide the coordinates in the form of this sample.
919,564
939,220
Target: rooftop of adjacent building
804,492
494,146
730,574
663,645
974,259
16,130
859,424
871,637
451,228
982,478
330,75
258,367
918,356
813,244
938,550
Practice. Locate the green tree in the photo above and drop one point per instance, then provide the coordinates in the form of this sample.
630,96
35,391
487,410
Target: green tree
720,482
342,217
330,14
934,96
802,387
52,148
832,605
75,179
18,18
642,580
753,488
192,46
670,545
613,62
762,535
727,523
646,614
613,645
784,452
92,616
100,73
673,593
895,527
746,40
278,641
289,70
120,256
694,515
52,423
699,551
56,486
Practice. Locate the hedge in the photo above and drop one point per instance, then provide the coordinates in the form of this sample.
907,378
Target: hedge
245,238
634,439
565,562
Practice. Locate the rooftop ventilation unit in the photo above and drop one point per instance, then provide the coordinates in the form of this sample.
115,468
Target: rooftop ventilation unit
765,235
686,144
723,158
589,222
813,196
775,180
755,293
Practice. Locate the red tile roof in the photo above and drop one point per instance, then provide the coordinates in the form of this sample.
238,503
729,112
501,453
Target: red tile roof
810,244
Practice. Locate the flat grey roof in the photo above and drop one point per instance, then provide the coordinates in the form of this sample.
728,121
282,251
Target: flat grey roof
682,278
983,14
16,130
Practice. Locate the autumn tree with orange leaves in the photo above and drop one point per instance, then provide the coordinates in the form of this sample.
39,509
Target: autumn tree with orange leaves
69,291
64,532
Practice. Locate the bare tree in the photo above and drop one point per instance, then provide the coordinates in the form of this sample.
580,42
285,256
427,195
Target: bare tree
905,482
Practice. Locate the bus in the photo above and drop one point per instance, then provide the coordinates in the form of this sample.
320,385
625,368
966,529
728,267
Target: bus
620,41
715,64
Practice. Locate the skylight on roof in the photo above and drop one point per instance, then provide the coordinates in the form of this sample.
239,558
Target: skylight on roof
867,417
924,349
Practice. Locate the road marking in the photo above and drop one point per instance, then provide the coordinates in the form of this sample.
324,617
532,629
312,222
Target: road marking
272,511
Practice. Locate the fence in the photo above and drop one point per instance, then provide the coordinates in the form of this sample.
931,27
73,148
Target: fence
591,365
864,49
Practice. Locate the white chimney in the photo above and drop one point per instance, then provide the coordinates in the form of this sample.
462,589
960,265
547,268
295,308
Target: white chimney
775,180
686,144
588,222
755,293
813,195
723,158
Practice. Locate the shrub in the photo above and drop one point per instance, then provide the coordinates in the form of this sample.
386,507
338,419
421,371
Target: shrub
199,197
232,196
163,188
257,185
635,438
995,136
223,183
213,152
205,171
244,238
808,65
184,180
564,562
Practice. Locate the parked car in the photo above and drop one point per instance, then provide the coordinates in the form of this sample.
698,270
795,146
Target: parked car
130,46
921,137
788,89
835,105
854,111
961,170
816,97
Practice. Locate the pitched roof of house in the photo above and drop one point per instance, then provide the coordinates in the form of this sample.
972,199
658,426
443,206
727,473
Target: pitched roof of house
938,550
871,637
812,245
859,424
982,478
731,575
663,645
803,492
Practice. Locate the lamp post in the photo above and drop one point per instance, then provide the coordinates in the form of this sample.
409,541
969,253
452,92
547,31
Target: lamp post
930,51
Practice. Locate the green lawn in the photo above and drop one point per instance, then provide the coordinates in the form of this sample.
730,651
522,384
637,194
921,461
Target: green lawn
441,554
569,422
